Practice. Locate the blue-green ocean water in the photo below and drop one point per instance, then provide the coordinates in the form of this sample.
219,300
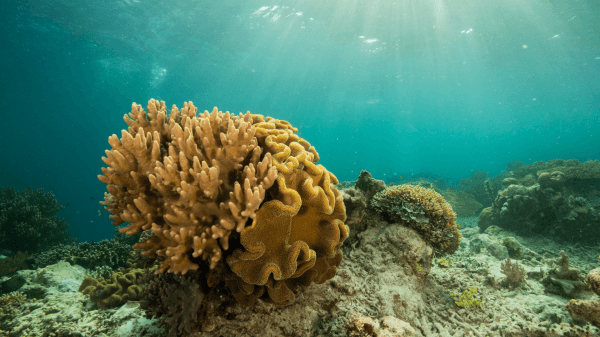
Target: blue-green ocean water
397,87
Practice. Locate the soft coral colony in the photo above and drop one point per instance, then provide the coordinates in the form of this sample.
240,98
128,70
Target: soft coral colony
240,193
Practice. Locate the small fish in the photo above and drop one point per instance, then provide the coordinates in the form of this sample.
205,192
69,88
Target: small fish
92,198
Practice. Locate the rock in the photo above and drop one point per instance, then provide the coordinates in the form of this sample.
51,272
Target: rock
517,251
554,180
485,219
368,185
509,181
585,310
13,283
492,246
356,205
394,238
395,327
361,326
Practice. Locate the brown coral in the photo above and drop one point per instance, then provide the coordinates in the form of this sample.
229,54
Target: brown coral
586,310
120,288
423,210
515,273
195,180
593,278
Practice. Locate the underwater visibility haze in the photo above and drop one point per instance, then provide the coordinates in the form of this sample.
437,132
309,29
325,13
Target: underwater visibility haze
410,168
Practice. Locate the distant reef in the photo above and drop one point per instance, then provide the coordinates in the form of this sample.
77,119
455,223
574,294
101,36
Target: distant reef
559,198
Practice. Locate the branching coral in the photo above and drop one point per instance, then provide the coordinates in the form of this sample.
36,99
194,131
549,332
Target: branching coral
196,179
112,254
191,180
11,305
423,210
28,220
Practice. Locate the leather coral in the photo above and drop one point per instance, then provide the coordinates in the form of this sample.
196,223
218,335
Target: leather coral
195,179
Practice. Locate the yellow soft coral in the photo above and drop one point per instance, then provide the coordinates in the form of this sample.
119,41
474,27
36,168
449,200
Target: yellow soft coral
194,180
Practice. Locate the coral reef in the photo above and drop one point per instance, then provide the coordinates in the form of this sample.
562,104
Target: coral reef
552,207
388,278
28,221
112,254
423,210
575,177
219,188
121,287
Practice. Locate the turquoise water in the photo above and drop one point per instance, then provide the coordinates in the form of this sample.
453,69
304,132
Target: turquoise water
400,88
